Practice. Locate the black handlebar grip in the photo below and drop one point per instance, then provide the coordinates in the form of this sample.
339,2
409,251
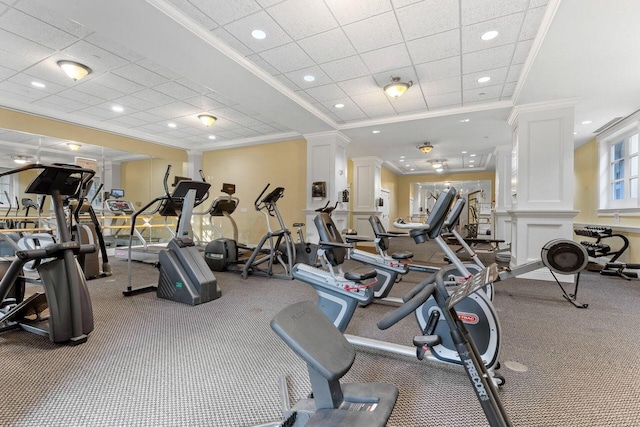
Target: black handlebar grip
420,286
166,179
407,308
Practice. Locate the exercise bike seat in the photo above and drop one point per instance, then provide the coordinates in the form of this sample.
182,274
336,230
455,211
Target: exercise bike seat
329,356
360,274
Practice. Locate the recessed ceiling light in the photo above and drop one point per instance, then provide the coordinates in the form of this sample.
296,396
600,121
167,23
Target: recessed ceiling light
412,169
471,166
339,105
575,133
439,170
172,125
375,131
489,35
471,161
484,79
401,160
117,108
402,157
472,155
309,78
212,137
258,34
463,152
464,121
38,85
586,122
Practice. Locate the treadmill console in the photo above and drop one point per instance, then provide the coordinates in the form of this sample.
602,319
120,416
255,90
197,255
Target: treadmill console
120,206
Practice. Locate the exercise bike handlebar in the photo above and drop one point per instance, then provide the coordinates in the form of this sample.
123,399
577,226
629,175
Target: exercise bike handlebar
407,308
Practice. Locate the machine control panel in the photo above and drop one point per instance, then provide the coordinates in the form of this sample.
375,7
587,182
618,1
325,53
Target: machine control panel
120,206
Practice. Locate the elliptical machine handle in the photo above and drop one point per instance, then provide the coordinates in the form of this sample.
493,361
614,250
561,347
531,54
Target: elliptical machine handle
166,180
256,204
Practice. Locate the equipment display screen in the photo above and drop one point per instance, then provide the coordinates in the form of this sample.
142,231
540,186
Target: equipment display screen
117,192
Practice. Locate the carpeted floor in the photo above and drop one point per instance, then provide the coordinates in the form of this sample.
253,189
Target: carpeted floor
152,362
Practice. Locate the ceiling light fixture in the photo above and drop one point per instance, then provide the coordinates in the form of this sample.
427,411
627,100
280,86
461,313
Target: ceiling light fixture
339,105
258,34
207,119
484,79
397,88
439,170
73,146
375,131
212,137
437,164
309,78
172,125
464,120
117,108
426,147
21,160
38,85
587,122
489,35
74,70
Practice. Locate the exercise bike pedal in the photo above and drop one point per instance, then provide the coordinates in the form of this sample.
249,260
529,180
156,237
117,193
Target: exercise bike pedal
423,342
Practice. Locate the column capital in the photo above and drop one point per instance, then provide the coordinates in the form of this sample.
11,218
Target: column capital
540,106
331,135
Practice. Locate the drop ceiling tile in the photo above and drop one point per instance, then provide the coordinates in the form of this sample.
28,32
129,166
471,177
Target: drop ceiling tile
435,47
287,82
118,83
174,110
453,99
474,11
409,105
522,52
175,134
372,98
406,74
487,59
5,72
227,135
127,121
261,63
402,3
350,115
345,69
427,18
350,11
159,69
264,129
297,77
268,3
39,10
387,58
25,80
379,110
26,93
508,90
316,46
63,103
532,22
303,18
508,28
94,57
374,33
437,70
438,87
246,132
330,105
152,128
91,87
115,48
249,112
242,28
498,77
359,86
326,92
486,94
98,112
176,90
204,103
131,103
153,97
537,3
287,58
302,94
19,53
147,117
514,73
202,90
88,114
139,75
35,30
224,11
195,13
84,98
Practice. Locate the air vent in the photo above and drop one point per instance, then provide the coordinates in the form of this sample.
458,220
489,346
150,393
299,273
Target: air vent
608,125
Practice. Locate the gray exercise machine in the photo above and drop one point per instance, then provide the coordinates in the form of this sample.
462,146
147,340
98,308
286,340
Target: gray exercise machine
328,355
184,276
65,295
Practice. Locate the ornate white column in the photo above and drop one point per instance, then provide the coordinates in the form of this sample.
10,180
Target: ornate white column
542,179
326,163
502,220
367,179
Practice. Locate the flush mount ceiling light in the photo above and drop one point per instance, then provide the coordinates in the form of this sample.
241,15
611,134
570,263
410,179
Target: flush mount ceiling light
21,159
484,79
74,70
207,119
397,88
258,34
489,35
426,147
73,146
309,78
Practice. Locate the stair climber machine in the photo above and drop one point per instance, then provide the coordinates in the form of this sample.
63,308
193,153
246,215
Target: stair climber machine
87,229
339,296
117,209
461,324
223,254
184,275
224,206
65,295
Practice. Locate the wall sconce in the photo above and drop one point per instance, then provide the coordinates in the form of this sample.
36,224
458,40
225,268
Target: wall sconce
207,119
426,147
73,146
74,70
21,160
397,88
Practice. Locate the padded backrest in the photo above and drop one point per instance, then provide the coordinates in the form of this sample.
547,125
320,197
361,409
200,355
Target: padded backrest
312,336
436,218
454,214
328,232
379,229
223,204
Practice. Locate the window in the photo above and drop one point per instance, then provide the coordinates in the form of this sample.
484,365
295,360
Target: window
618,152
6,191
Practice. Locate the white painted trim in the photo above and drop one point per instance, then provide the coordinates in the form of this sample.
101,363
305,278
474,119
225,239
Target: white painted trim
540,106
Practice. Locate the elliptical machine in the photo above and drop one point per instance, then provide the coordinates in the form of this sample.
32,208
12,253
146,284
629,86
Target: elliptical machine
223,255
184,276
65,294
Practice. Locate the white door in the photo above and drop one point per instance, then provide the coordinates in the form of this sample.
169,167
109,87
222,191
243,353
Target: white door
384,209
